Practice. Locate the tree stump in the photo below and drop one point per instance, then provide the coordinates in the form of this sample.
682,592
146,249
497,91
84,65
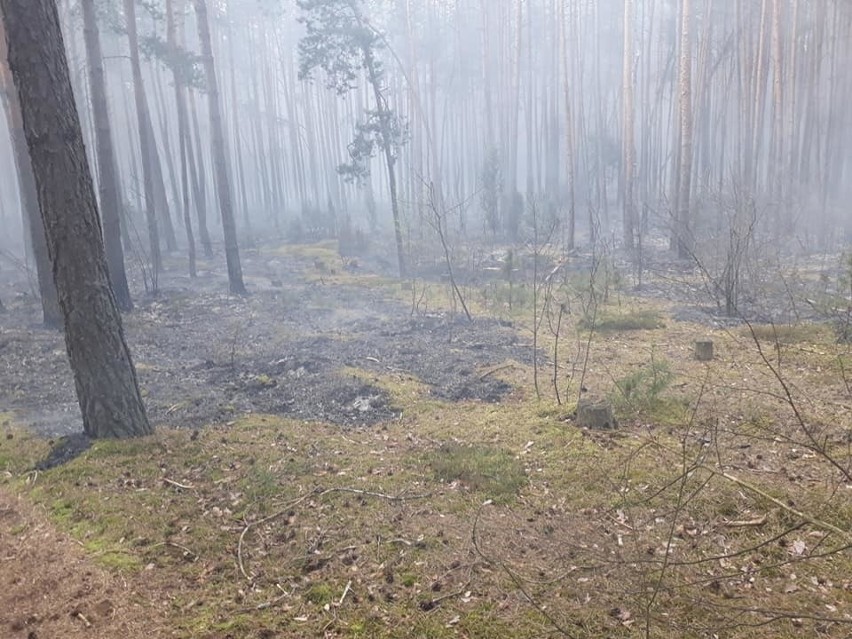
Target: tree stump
704,350
595,414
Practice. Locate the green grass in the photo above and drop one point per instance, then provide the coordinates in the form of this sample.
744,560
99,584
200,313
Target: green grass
492,472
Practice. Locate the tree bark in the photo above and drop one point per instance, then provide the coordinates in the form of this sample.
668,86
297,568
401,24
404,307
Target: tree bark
220,160
110,202
104,376
51,315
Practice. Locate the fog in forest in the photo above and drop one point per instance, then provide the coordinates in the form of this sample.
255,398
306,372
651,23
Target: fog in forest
626,122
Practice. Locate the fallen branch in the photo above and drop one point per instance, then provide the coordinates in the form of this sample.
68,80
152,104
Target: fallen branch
824,525
517,580
266,519
266,604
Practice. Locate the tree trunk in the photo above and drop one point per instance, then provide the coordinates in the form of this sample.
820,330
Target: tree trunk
683,223
104,376
220,160
381,107
110,202
628,156
145,151
183,138
198,175
570,152
51,314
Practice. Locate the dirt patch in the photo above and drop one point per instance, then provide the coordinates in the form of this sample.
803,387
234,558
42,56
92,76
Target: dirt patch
49,589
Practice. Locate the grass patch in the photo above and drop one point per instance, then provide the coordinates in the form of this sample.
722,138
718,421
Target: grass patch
636,320
493,472
19,450
788,333
320,594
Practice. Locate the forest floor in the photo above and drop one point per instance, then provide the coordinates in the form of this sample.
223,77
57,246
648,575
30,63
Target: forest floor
344,455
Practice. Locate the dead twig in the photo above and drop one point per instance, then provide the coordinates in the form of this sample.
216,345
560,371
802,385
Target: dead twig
746,523
268,518
172,544
176,484
495,370
266,604
318,492
518,581
345,592
431,604
79,615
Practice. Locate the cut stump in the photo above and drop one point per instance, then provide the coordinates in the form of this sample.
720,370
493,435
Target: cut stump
704,350
595,414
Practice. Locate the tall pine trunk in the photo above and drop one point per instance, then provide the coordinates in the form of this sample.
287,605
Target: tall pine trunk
220,160
145,141
628,155
110,202
683,223
51,313
183,138
104,376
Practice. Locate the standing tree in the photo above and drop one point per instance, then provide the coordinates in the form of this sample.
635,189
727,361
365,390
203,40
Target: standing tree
220,159
29,199
146,142
683,239
628,154
340,40
110,201
183,134
104,376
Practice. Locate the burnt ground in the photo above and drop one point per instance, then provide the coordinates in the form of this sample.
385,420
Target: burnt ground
204,357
